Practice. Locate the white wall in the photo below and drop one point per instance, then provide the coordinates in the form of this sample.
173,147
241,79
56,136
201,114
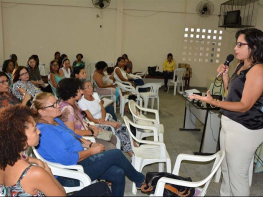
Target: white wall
147,30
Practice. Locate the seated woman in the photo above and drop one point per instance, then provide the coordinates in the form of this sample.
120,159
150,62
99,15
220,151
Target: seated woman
57,55
69,90
18,176
103,80
78,62
120,74
13,57
34,74
66,68
81,74
63,56
55,76
168,69
6,97
22,85
128,63
60,144
8,68
93,107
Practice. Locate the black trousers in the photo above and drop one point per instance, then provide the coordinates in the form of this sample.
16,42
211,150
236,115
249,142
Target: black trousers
96,189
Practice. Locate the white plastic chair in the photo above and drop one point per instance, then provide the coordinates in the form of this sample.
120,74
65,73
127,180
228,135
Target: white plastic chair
70,171
148,153
179,72
218,157
124,98
143,120
106,92
152,94
42,69
142,74
54,90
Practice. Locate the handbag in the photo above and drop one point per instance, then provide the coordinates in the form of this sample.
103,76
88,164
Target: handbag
104,135
152,70
170,189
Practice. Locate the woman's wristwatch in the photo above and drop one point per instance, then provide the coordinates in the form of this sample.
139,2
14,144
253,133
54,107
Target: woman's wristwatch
92,132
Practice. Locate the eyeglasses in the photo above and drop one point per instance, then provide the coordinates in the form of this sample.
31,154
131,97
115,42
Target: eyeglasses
240,44
23,74
5,81
54,105
88,87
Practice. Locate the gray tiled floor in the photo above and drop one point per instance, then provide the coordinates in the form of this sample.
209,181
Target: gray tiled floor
171,116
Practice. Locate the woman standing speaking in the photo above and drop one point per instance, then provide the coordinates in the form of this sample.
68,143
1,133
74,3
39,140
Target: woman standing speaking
242,122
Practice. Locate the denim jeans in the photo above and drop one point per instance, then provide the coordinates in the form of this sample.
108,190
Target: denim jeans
167,76
112,166
110,109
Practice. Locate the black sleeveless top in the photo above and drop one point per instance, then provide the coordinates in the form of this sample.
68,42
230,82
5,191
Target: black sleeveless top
251,119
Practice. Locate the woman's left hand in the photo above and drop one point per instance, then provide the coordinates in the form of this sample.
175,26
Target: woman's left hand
207,99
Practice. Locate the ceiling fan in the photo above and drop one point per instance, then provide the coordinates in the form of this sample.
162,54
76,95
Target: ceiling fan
205,8
101,4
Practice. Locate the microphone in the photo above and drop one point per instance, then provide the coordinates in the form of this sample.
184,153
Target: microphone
229,59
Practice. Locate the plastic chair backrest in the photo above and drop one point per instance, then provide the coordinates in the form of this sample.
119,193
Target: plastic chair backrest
179,72
42,69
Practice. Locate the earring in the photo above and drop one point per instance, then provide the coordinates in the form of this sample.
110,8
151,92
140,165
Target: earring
24,155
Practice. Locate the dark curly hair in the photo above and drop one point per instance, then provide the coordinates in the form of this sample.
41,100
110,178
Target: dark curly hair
13,139
5,64
76,71
68,88
101,65
254,38
80,56
16,73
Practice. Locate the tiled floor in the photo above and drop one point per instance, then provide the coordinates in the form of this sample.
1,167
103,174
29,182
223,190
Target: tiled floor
171,116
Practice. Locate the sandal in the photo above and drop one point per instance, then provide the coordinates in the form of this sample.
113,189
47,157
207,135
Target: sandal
142,185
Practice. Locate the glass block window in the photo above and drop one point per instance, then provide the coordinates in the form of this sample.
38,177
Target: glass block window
201,44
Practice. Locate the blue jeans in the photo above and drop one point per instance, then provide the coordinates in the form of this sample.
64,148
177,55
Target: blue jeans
167,76
110,109
112,165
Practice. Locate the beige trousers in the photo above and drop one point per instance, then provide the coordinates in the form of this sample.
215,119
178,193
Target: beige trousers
240,145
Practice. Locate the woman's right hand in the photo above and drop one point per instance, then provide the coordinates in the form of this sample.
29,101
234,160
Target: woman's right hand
96,148
21,90
27,97
116,125
222,69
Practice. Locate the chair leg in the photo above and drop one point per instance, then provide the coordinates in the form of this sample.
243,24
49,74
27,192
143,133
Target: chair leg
160,137
136,162
175,86
152,103
218,175
168,87
146,100
161,167
157,103
122,108
250,172
168,165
